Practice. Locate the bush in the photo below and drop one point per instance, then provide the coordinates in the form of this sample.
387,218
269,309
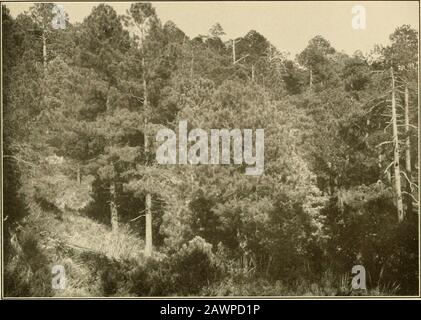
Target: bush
27,274
366,232
184,272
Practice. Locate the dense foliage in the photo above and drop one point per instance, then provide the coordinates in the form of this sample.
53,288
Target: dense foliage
75,121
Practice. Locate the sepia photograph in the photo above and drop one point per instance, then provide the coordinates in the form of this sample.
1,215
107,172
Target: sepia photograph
210,149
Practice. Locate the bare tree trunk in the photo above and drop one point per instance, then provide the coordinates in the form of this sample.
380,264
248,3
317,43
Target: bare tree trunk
252,72
366,135
311,80
408,153
396,157
148,214
145,95
142,39
113,208
407,141
44,50
148,202
148,232
233,51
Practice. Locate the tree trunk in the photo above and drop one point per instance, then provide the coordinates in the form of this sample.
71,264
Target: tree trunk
396,157
408,153
148,214
78,177
252,72
145,95
311,80
233,51
142,40
44,50
148,231
148,202
113,208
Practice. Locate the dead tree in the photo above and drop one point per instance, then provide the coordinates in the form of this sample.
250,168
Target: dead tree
148,212
396,156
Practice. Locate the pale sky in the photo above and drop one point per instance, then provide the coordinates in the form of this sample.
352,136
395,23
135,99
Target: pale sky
288,25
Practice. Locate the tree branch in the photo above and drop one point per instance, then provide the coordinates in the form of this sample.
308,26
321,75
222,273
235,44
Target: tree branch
385,142
409,180
416,201
389,166
20,160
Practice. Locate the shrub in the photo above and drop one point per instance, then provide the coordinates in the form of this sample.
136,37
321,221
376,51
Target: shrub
27,273
184,272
